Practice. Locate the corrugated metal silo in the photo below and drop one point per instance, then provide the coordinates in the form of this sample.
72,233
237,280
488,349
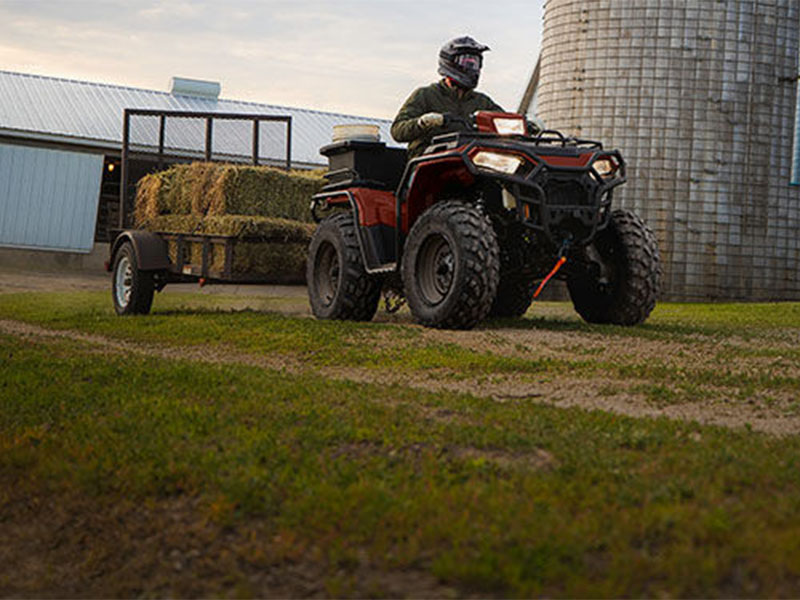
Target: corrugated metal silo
700,97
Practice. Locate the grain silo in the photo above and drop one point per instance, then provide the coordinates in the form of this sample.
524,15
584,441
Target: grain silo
700,97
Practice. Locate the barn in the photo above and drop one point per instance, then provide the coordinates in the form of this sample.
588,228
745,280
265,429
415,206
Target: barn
61,141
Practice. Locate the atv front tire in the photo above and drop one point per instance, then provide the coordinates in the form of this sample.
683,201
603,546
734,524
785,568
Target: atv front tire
626,292
338,285
131,288
451,266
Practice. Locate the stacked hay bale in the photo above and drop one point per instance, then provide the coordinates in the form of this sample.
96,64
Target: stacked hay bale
265,209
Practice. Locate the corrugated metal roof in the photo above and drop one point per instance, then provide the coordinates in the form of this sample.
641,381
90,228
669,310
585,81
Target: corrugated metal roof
91,114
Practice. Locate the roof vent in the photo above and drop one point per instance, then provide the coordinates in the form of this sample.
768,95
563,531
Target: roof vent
181,86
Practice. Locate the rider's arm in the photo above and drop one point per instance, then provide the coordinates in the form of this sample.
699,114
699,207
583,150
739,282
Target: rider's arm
489,104
405,127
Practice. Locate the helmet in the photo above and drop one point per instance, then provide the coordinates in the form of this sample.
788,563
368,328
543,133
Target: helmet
461,59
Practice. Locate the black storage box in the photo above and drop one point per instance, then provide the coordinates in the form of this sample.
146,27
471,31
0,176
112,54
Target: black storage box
359,162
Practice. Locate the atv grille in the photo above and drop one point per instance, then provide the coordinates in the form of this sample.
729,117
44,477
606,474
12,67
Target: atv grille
565,193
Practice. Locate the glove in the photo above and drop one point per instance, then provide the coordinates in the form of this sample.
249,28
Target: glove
430,120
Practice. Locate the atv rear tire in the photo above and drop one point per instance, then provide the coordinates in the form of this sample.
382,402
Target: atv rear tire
627,295
451,266
131,288
338,285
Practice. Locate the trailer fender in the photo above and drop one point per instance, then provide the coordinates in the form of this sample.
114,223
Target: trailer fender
151,249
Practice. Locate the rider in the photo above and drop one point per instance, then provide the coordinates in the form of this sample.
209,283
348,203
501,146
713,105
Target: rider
422,116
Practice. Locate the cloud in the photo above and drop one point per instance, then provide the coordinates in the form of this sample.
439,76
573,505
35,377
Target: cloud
353,56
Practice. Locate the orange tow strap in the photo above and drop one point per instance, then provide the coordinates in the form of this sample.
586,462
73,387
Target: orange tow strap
559,264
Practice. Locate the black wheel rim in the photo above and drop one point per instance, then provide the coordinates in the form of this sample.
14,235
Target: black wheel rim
435,269
326,273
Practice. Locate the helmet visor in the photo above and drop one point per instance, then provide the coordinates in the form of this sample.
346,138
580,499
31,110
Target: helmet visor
469,62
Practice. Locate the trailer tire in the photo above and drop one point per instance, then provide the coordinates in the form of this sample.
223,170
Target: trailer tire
629,251
339,286
131,288
451,266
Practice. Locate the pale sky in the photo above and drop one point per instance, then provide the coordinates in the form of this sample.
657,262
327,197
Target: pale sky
360,57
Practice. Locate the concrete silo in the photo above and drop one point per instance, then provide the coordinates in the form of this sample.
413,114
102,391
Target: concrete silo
700,98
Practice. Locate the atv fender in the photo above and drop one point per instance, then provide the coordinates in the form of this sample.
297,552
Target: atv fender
374,212
151,249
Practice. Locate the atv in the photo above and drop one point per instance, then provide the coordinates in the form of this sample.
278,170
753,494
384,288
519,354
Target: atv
476,226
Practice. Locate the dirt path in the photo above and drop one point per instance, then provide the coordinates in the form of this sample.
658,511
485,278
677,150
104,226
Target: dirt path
615,395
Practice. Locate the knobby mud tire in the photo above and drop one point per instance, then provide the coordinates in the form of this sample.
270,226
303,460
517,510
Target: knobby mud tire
630,249
345,291
463,297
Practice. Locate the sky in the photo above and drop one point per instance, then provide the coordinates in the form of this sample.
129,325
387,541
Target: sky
361,57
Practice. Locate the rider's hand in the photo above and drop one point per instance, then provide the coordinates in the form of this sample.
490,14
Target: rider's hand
431,119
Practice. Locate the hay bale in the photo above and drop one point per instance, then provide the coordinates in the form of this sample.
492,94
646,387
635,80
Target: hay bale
149,203
280,261
188,224
221,189
275,261
264,191
238,226
277,230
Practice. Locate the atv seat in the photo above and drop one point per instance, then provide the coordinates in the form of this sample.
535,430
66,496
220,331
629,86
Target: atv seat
364,164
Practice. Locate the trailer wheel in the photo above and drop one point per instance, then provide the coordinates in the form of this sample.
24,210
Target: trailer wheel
626,292
338,285
451,266
131,288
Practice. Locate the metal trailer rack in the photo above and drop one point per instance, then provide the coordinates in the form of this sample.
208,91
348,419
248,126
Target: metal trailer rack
150,260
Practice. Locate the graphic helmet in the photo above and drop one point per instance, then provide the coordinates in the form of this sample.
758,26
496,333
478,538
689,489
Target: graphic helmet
461,59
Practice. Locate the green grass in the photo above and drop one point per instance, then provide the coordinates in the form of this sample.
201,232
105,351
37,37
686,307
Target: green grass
446,484
181,320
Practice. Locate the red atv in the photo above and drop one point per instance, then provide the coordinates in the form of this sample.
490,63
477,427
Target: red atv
471,228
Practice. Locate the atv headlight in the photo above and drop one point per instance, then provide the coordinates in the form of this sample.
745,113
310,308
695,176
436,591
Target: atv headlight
495,161
505,126
605,166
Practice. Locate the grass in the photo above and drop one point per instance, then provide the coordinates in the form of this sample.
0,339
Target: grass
269,478
360,473
203,320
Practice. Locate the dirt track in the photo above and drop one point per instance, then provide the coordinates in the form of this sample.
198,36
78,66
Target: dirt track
774,413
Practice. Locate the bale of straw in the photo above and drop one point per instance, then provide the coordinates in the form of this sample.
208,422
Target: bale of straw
281,262
238,226
267,228
149,204
221,189
264,191
273,261
188,224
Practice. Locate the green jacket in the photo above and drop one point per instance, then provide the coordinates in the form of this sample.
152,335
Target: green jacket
440,98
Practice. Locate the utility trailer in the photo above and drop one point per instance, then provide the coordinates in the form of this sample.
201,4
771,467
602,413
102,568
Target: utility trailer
139,260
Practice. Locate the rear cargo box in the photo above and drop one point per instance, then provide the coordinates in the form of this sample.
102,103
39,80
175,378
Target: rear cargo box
357,162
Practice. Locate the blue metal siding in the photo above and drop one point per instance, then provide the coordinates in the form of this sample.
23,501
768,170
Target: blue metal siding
48,198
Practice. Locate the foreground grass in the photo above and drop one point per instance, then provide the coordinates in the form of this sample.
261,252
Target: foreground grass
182,320
487,498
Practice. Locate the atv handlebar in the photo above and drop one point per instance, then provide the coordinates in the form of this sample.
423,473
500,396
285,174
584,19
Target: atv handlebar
545,136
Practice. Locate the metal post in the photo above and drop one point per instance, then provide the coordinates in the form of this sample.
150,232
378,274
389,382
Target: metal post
123,189
162,125
209,143
256,149
289,143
